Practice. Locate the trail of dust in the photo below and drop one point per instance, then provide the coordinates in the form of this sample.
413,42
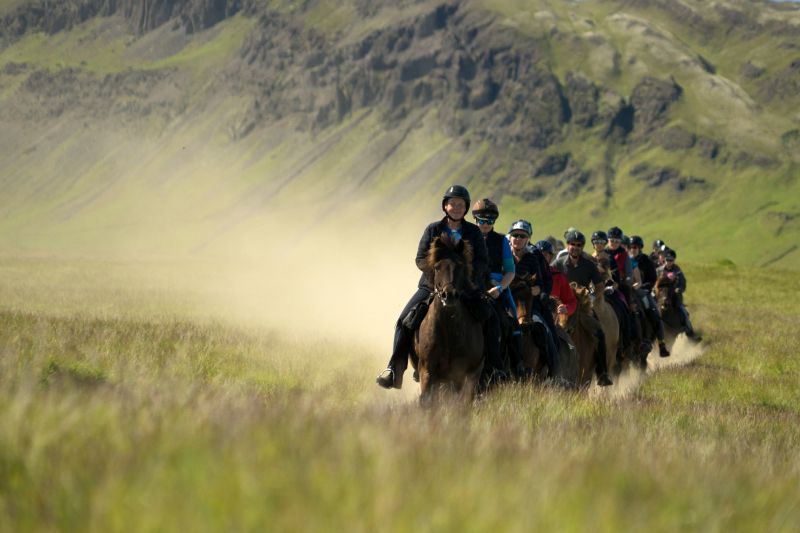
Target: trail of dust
684,351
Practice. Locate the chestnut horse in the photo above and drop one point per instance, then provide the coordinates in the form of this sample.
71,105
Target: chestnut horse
448,346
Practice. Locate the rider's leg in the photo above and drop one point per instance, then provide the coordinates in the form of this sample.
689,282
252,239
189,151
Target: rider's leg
600,359
655,319
398,362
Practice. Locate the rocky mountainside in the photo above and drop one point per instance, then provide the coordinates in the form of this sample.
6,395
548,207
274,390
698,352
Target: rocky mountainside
584,107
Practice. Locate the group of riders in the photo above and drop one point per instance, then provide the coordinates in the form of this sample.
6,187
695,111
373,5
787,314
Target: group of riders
617,264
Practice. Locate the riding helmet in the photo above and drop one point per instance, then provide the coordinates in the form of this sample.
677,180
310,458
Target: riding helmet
456,191
657,244
575,236
637,241
545,246
669,253
599,236
615,233
485,209
626,241
523,225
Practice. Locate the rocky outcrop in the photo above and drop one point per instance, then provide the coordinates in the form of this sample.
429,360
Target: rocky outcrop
650,100
52,16
666,177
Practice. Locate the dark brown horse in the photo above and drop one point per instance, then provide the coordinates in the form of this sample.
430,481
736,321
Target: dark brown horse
532,356
448,346
584,335
670,314
523,298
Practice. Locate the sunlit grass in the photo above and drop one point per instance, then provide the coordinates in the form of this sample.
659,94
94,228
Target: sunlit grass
179,422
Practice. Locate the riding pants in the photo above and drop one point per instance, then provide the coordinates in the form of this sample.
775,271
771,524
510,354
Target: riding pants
402,335
652,313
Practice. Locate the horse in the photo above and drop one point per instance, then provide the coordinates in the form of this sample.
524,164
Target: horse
583,335
609,321
532,356
632,327
448,346
670,314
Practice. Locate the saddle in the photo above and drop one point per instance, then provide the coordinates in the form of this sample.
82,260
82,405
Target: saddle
417,313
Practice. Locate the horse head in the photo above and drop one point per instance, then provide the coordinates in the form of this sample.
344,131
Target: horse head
450,263
521,291
584,298
665,293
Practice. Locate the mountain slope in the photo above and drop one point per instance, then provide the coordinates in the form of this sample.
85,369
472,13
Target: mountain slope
163,125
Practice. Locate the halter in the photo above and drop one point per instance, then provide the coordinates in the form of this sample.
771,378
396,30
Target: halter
442,295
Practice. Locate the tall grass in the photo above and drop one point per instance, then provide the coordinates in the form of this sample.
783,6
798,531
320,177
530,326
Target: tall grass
120,423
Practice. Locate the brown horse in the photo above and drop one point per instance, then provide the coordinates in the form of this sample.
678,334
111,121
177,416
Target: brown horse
608,319
448,346
531,354
670,314
583,335
523,297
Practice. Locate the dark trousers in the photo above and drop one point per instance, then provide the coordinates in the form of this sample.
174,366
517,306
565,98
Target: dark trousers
652,313
402,335
546,340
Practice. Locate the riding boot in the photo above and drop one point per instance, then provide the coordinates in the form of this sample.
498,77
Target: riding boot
600,362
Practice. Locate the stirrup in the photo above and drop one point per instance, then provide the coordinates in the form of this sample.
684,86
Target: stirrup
389,379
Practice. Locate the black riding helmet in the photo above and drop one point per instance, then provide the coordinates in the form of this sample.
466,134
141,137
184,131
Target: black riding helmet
657,244
599,236
575,236
615,233
456,191
637,241
669,253
485,209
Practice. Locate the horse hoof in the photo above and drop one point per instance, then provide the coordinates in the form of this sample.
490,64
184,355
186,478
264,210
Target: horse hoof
604,381
416,376
662,351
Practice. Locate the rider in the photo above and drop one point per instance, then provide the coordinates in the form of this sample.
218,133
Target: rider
583,271
455,203
672,273
501,271
529,260
561,289
658,244
622,274
648,274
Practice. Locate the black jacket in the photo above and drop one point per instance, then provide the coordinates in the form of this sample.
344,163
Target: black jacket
583,273
494,245
471,234
535,263
647,269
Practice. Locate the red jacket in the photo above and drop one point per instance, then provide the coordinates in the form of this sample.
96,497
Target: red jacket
563,291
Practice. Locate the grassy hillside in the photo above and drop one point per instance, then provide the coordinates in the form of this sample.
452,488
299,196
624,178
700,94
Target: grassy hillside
114,141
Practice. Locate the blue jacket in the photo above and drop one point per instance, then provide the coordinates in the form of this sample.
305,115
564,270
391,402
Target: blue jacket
471,234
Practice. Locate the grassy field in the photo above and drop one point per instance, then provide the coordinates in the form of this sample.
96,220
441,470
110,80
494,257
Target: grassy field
142,411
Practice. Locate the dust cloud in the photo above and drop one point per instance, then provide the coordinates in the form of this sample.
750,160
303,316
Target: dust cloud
683,352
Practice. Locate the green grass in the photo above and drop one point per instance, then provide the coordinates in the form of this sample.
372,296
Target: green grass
152,413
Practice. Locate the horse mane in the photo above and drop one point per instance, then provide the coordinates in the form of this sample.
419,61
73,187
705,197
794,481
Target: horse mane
446,247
